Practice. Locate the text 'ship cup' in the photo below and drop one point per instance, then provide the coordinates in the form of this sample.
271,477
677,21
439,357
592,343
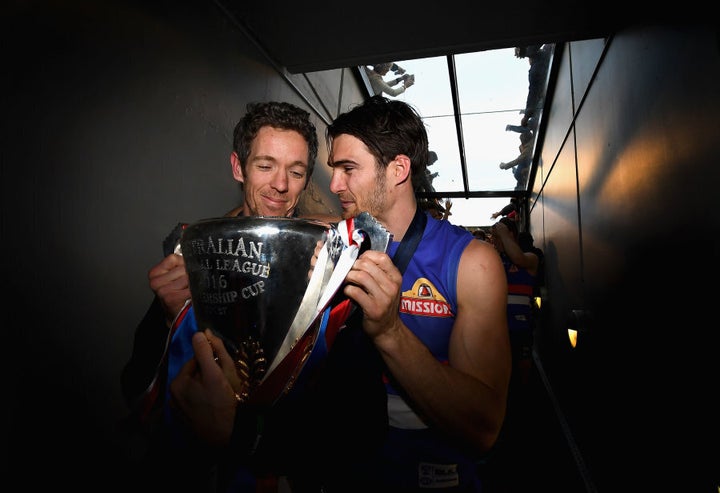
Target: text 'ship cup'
262,283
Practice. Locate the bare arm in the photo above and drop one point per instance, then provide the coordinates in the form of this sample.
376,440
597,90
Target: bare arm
380,85
467,397
527,260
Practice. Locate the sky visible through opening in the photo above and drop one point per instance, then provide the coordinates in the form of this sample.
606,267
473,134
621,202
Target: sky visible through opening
492,88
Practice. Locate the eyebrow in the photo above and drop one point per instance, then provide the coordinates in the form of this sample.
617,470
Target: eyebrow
267,157
341,162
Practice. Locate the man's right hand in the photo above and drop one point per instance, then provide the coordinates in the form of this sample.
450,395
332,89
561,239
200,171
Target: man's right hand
202,395
169,281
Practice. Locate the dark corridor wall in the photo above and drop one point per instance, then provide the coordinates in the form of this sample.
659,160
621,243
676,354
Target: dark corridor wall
625,208
117,122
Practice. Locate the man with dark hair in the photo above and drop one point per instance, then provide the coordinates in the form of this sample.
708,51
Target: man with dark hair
435,313
434,308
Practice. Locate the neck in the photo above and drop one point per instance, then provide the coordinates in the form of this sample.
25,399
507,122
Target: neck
398,221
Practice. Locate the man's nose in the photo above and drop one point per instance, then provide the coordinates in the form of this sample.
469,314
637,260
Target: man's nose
337,183
280,181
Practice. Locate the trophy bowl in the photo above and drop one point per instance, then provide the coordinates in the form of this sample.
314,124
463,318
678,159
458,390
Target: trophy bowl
261,284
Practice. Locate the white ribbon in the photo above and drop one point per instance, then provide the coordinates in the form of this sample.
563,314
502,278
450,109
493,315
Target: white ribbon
311,308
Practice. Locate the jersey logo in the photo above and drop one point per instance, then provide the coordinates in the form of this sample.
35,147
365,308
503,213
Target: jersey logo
424,299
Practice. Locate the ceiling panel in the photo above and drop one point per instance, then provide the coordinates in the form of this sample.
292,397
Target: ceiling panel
324,34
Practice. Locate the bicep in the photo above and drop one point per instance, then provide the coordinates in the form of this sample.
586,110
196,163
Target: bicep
479,344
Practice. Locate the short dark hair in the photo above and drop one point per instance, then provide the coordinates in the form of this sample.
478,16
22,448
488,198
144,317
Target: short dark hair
387,127
275,114
480,233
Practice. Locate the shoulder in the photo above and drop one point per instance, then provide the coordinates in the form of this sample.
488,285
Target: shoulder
481,280
480,263
439,229
482,251
446,237
443,227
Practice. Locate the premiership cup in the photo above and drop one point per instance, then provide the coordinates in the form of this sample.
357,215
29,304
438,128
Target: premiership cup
261,284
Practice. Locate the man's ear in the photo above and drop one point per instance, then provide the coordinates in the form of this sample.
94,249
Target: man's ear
402,168
236,167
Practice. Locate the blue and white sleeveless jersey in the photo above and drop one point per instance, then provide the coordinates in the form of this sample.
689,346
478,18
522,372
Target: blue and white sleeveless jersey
416,457
428,302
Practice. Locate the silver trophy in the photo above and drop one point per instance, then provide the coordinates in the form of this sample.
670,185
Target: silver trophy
262,283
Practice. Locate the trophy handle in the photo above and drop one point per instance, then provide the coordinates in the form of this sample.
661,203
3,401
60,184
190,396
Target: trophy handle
349,238
319,292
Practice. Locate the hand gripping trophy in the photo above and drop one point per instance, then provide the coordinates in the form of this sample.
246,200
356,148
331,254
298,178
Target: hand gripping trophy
262,283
